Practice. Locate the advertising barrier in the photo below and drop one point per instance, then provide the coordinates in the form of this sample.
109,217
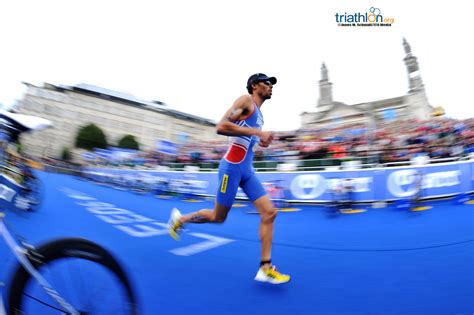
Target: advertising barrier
367,185
10,194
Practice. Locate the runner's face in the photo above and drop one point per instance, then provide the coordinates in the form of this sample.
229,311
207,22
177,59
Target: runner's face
264,89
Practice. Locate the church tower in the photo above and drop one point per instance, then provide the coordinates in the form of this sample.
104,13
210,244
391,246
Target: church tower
325,90
414,77
418,106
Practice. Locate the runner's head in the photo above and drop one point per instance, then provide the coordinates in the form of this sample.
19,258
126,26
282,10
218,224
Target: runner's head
262,80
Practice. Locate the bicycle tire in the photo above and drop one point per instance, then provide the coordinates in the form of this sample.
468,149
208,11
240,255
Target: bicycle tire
62,249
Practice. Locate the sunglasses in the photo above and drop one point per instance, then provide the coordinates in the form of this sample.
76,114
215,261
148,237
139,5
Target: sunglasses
266,83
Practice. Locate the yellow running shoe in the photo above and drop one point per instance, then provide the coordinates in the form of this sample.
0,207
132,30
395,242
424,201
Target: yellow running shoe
271,275
174,224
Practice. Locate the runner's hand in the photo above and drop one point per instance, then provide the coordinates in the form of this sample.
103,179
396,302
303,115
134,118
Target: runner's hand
266,138
264,144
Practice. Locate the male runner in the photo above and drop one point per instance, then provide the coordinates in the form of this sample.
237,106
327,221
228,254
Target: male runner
242,123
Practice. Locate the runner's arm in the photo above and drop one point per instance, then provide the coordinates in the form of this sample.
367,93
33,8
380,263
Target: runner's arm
240,107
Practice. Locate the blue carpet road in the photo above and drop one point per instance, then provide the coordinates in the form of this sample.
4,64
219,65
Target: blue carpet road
381,261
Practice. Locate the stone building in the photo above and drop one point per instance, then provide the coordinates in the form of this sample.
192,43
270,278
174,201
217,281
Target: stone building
412,105
116,113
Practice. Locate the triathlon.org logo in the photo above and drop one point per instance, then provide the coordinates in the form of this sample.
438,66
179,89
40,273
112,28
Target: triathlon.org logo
372,18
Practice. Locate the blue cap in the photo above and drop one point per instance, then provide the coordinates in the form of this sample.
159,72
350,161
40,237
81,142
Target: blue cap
260,77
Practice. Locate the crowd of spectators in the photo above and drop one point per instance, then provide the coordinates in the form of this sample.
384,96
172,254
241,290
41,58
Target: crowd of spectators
391,142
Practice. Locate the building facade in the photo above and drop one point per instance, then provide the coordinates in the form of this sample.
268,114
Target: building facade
117,114
413,105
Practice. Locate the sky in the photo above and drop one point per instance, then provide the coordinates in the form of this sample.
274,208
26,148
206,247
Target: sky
196,56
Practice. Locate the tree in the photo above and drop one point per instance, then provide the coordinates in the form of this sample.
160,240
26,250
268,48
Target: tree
90,137
129,142
20,148
66,155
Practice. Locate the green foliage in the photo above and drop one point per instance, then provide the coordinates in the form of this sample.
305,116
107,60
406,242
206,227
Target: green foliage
66,155
20,148
90,137
129,142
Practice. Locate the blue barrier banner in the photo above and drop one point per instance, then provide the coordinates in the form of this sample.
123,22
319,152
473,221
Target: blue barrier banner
10,194
321,186
120,154
380,184
167,147
103,153
89,156
466,175
472,178
434,181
